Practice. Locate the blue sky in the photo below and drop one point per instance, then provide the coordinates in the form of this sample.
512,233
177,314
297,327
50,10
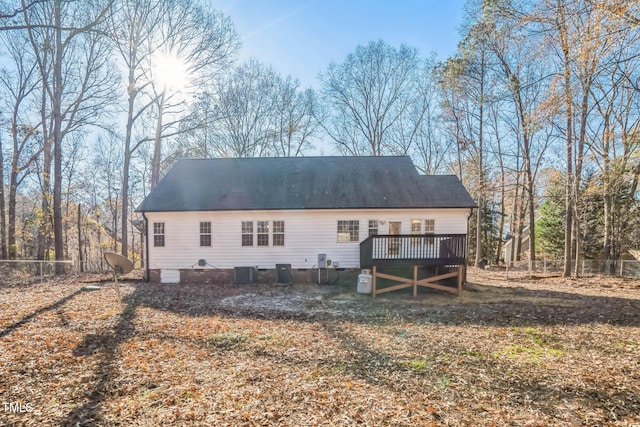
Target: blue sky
300,38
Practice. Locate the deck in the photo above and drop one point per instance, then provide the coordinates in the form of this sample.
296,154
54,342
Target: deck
413,249
444,254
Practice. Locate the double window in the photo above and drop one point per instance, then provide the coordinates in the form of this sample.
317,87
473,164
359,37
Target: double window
348,231
417,226
265,232
427,226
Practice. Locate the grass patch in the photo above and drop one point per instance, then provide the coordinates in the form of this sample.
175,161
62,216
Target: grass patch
442,382
418,364
534,353
227,340
472,353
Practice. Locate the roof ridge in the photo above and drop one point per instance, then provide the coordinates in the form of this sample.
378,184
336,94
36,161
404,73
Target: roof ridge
316,182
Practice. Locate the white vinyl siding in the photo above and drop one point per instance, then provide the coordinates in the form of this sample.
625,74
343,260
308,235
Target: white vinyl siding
307,233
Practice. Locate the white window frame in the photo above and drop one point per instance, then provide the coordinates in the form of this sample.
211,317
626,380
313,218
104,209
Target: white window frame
352,233
205,232
430,226
159,234
262,233
374,227
246,229
278,231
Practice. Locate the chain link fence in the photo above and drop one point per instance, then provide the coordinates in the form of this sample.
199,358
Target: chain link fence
586,267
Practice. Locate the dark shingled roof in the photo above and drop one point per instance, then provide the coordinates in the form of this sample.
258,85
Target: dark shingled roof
303,183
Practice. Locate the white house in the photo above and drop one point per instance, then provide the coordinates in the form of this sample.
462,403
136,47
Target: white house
207,217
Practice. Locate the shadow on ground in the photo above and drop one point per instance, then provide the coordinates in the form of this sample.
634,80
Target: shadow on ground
478,304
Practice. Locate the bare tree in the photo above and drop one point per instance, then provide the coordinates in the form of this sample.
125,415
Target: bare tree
71,99
423,129
296,118
466,76
257,113
367,95
576,34
198,43
151,37
133,28
19,84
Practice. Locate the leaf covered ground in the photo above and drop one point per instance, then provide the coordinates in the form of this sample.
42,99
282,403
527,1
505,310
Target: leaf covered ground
522,353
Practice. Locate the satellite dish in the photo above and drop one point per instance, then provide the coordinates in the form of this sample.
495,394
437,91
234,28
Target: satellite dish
120,265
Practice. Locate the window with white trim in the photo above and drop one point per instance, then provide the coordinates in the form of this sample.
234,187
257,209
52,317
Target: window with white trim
205,233
373,227
429,226
416,228
263,233
278,233
348,231
158,234
247,233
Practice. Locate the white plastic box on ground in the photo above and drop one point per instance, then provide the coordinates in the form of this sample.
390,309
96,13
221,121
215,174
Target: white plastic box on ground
364,282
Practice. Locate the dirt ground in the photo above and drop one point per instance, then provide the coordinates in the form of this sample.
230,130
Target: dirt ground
534,352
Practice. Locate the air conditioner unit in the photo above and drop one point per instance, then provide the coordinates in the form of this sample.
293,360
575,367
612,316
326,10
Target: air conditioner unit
244,275
283,273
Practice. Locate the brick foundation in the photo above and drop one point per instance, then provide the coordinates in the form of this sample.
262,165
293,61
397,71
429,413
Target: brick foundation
220,276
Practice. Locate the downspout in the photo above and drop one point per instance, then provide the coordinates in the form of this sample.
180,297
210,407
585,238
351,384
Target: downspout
146,247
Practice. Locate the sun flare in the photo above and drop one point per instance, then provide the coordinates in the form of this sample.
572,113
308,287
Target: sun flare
170,72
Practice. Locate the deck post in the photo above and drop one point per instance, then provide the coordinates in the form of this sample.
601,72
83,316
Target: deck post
415,281
374,281
460,279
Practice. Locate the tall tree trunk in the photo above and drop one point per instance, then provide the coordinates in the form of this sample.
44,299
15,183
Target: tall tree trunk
157,147
532,216
57,142
481,201
579,159
502,197
44,231
128,151
515,222
13,189
3,218
80,259
606,198
568,105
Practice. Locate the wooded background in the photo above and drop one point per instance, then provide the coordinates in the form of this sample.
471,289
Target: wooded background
538,113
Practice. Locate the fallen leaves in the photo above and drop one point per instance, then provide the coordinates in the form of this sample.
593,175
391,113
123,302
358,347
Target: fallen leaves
500,354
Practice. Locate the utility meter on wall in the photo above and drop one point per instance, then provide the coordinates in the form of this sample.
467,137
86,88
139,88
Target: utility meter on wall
322,260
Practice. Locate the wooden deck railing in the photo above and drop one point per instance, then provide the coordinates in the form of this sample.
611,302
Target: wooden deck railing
413,249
